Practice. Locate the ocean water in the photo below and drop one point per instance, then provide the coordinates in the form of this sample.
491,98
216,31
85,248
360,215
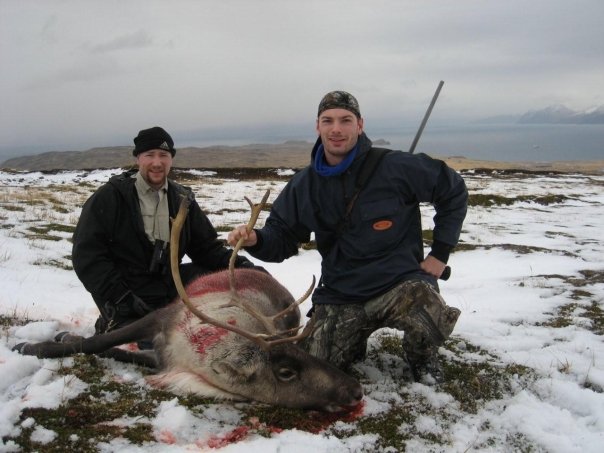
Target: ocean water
503,142
499,142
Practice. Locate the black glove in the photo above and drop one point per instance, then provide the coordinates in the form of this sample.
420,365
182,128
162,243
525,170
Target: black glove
139,306
127,306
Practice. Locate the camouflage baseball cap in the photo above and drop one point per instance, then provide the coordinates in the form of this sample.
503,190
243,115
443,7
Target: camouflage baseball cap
339,100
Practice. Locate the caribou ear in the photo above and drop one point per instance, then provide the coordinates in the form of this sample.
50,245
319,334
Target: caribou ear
233,373
241,367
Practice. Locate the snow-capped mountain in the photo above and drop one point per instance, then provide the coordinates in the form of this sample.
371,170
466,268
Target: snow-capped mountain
560,114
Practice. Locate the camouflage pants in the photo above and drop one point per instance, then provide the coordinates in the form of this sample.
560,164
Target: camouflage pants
340,332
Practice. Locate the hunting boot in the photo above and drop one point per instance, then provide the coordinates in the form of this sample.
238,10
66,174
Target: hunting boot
428,323
422,359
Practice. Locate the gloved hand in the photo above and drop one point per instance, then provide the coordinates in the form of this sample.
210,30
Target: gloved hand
139,306
127,306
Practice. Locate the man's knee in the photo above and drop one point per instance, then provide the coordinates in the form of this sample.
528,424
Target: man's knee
422,312
444,317
339,334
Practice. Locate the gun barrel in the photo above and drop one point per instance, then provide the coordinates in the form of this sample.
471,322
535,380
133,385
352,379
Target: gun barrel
426,116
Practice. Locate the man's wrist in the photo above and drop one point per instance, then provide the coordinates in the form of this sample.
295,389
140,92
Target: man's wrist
441,251
258,243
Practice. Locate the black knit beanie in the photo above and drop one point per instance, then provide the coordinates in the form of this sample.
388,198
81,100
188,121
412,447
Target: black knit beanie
153,138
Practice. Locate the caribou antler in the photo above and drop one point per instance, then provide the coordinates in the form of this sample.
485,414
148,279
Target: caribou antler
256,209
267,321
263,340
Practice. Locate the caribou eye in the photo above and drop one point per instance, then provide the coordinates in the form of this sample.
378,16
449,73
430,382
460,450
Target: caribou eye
286,374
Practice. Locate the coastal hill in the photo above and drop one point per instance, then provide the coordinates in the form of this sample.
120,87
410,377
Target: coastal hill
291,154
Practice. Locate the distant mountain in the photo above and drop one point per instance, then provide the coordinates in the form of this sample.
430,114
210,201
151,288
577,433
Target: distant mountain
560,114
554,114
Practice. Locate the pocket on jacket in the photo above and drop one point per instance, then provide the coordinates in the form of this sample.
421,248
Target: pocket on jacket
381,224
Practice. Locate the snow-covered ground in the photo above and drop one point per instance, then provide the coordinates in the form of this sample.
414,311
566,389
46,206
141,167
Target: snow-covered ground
528,277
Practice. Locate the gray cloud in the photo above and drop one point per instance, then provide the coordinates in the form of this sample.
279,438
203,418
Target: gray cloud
94,71
134,40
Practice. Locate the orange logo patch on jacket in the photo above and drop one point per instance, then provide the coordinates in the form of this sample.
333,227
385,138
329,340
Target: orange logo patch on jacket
382,225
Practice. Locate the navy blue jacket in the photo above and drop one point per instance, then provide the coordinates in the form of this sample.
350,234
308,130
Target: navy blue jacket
382,244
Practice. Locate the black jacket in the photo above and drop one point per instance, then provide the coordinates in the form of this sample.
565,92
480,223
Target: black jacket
111,252
382,244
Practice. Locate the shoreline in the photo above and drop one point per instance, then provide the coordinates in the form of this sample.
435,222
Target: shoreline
589,167
294,155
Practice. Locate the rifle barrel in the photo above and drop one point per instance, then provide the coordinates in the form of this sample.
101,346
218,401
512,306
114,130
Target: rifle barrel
426,116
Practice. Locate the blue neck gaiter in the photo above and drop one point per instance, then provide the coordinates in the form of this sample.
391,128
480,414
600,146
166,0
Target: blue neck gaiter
324,169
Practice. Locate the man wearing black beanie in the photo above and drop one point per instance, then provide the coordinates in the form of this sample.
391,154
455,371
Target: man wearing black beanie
122,239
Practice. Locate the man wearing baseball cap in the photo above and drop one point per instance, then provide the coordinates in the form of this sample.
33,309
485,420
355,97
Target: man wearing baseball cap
369,235
122,239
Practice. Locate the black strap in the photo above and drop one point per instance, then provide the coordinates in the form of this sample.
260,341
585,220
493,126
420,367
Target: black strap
371,162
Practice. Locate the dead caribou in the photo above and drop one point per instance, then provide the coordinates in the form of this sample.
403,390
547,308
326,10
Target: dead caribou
233,338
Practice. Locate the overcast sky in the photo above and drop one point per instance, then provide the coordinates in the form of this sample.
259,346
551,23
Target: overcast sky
78,74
